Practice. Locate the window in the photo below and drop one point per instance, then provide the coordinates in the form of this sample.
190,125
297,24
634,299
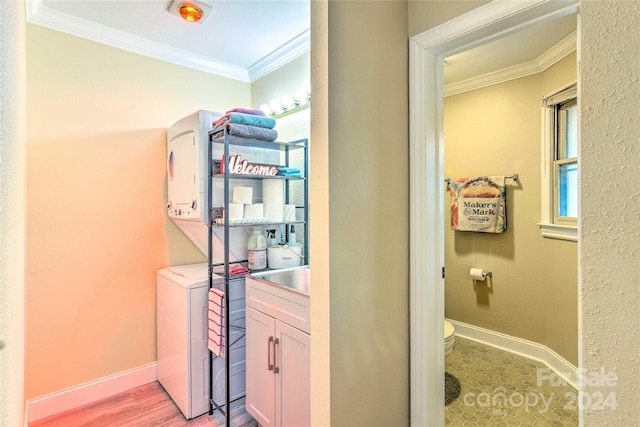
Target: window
566,163
560,191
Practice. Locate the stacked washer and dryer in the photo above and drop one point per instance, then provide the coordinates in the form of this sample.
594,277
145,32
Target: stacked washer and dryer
182,291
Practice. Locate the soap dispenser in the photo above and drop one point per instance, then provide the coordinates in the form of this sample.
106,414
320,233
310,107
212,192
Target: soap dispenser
292,236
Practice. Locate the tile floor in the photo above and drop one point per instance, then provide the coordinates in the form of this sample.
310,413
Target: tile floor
485,386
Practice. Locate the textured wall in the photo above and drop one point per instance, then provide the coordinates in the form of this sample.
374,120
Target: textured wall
610,220
12,223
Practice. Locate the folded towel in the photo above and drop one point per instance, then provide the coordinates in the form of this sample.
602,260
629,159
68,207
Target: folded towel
283,170
289,172
216,322
238,270
246,111
478,204
246,119
247,131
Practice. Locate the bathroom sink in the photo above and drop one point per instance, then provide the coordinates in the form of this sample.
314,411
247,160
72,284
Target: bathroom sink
296,279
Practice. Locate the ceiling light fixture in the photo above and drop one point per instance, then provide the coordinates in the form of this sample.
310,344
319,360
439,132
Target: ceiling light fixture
190,12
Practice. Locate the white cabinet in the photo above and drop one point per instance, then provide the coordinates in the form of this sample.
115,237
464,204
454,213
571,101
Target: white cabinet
293,398
278,356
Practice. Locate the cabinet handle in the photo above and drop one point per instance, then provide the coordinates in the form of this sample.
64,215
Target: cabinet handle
275,356
269,364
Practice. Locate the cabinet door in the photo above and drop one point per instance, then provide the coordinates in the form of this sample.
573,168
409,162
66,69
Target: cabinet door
293,398
261,381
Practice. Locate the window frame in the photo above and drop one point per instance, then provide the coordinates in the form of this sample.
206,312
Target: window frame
560,158
551,225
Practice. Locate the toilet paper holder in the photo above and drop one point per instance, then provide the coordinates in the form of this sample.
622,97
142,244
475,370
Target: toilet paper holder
479,275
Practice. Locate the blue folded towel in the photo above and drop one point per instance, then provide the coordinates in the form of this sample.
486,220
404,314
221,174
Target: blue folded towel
290,172
252,120
284,170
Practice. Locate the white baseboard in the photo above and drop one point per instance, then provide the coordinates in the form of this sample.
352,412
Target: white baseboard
522,347
72,397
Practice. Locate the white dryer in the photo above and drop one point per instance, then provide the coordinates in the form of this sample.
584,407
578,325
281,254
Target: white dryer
188,168
183,356
188,201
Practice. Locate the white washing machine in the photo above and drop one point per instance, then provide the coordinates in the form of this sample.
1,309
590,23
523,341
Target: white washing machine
183,356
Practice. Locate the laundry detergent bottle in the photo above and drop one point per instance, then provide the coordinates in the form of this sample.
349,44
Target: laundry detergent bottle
257,250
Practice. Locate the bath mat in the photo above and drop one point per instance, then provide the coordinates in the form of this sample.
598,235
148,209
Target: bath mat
451,388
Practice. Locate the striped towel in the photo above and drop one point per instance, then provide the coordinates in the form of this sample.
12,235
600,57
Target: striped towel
216,322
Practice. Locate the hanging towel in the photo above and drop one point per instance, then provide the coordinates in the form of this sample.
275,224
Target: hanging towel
478,204
216,322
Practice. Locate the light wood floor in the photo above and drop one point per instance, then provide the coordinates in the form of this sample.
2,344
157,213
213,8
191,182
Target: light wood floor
147,405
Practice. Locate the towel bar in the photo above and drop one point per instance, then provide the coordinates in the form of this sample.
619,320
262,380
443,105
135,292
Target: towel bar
513,177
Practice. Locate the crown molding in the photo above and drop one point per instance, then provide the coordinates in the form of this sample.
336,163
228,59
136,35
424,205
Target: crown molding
493,78
39,14
559,51
289,51
538,65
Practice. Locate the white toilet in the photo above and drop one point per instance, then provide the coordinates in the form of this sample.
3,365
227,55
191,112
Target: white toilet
449,337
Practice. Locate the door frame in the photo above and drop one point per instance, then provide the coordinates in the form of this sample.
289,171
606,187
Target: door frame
427,50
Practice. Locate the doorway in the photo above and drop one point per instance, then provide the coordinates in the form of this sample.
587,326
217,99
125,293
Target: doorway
484,24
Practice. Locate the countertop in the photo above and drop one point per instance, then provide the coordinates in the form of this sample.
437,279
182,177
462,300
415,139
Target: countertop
295,279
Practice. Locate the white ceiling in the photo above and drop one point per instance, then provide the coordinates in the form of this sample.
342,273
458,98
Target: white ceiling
522,53
247,39
241,39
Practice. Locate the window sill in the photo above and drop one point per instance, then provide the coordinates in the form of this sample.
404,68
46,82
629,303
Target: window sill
562,232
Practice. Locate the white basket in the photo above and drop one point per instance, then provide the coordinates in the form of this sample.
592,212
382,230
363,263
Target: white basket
284,256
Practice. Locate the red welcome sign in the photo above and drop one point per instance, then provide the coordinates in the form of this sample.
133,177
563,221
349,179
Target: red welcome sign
238,165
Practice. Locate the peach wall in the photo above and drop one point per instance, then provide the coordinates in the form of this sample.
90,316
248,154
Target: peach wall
96,224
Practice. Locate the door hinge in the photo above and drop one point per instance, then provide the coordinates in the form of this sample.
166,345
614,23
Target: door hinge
443,272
